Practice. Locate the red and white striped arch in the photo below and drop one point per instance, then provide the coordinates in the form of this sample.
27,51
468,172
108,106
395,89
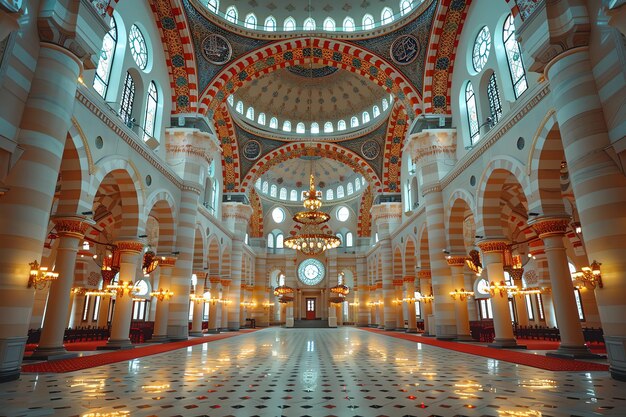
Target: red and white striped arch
460,203
162,207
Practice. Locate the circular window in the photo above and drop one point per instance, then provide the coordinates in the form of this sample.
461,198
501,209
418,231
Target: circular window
138,48
482,45
483,289
148,180
141,288
311,272
278,215
99,142
343,214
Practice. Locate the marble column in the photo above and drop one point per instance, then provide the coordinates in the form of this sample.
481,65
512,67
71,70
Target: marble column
397,285
493,261
551,231
166,265
71,231
457,265
409,285
225,310
215,305
469,278
544,281
363,312
426,305
130,257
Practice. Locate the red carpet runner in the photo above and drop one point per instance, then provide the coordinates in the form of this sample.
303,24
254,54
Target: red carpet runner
506,355
76,364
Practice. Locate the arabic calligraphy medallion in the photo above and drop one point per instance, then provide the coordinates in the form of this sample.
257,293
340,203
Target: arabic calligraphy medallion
370,149
404,49
216,49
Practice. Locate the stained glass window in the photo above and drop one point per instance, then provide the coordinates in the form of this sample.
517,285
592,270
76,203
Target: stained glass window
329,24
328,127
138,48
309,24
341,125
315,128
251,21
386,16
213,5
472,113
261,119
128,99
289,24
514,57
270,24
300,127
105,63
152,103
495,105
368,22
231,14
311,271
405,6
348,24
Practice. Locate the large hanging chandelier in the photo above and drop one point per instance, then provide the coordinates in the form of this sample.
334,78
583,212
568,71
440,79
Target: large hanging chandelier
312,240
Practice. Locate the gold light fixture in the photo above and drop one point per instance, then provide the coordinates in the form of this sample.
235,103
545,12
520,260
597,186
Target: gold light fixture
502,288
461,294
39,277
251,304
150,262
425,298
590,276
162,294
123,287
79,291
474,263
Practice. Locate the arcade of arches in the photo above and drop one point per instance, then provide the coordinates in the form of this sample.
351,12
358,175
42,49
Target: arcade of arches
470,154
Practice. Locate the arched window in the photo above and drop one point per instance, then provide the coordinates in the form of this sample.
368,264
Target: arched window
365,117
350,188
386,16
283,193
250,113
270,24
348,24
368,22
273,190
340,236
213,5
274,123
257,184
385,104
472,113
482,46
261,119
315,128
514,57
289,25
138,47
341,125
405,6
293,195
105,63
375,111
128,99
330,194
357,184
231,14
495,105
354,121
407,190
287,126
152,103
266,187
340,192
329,24
239,107
215,194
231,99
279,241
300,127
328,127
349,242
251,21
270,241
309,24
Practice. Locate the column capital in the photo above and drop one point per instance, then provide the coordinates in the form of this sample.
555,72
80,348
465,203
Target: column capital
167,261
432,144
546,226
225,282
372,287
493,245
385,217
237,216
72,226
215,280
456,260
397,282
424,274
130,246
409,279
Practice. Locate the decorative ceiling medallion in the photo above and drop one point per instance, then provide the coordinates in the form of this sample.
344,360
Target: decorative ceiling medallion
404,49
252,150
216,49
370,149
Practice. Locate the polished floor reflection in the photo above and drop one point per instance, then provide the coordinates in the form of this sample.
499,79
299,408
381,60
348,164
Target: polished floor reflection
316,372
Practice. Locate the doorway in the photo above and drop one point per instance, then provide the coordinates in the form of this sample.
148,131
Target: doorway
310,309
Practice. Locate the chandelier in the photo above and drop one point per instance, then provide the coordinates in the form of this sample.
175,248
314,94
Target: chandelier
339,291
312,240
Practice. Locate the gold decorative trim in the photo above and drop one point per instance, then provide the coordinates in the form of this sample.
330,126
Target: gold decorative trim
424,274
456,260
71,227
488,246
129,246
550,226
167,262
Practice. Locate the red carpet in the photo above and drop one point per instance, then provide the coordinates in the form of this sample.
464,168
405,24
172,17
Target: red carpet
76,364
72,347
506,355
534,344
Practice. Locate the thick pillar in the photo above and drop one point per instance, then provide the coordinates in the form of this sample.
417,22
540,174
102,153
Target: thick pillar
493,261
166,265
363,311
71,231
426,305
409,285
544,282
130,256
215,305
469,278
225,283
397,285
457,265
551,231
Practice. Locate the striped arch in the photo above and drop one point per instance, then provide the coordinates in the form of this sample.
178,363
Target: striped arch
394,142
461,204
76,167
410,261
199,250
364,227
230,154
500,171
398,270
256,220
132,194
423,254
544,168
444,39
298,149
179,54
297,51
225,266
214,257
162,207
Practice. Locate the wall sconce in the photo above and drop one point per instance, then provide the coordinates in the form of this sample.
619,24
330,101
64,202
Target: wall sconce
123,287
501,287
425,298
409,300
267,304
248,304
589,275
39,277
162,294
79,291
462,294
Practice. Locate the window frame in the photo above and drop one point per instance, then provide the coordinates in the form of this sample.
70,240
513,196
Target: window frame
112,34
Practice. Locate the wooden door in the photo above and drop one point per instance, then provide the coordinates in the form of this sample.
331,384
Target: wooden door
310,308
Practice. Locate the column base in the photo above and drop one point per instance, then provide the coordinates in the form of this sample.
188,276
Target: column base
213,331
233,326
411,330
177,332
426,334
117,345
11,355
51,354
574,352
446,337
464,338
159,338
616,349
196,334
505,344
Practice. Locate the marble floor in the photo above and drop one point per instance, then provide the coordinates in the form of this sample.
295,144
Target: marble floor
314,372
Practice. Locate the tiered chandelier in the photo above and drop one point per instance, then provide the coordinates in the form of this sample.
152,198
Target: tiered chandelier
312,240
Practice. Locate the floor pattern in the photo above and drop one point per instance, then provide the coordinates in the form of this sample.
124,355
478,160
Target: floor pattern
314,372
